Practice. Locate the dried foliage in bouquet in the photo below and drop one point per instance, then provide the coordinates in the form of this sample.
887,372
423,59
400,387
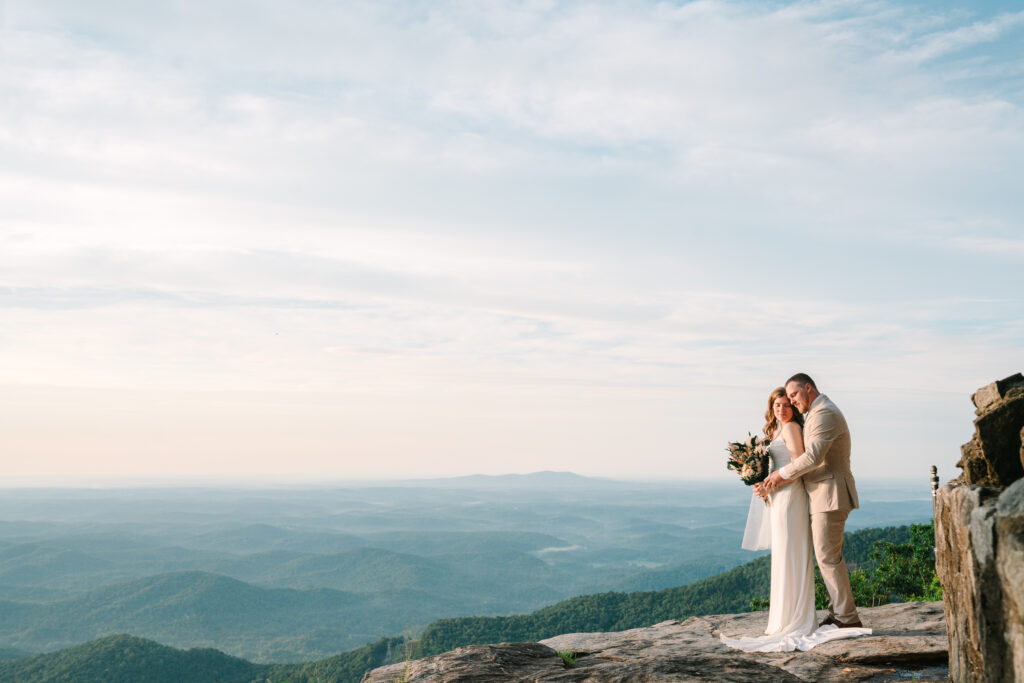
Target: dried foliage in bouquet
749,458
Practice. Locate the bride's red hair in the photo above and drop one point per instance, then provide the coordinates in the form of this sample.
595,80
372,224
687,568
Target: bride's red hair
771,424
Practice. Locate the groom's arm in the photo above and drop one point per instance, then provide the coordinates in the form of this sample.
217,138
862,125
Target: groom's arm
818,440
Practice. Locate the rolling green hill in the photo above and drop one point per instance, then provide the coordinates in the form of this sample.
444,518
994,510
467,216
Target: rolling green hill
189,608
428,542
302,606
7,653
126,659
35,563
675,575
364,570
260,537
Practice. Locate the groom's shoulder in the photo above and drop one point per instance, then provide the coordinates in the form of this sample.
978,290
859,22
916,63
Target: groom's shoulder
830,409
826,405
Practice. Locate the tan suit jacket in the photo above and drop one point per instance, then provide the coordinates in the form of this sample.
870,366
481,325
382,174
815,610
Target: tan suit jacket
825,462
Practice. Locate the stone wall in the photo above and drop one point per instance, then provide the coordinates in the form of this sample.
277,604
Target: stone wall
979,537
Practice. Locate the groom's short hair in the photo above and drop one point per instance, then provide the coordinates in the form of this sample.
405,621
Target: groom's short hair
802,379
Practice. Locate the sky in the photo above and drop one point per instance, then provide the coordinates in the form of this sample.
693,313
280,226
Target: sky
345,240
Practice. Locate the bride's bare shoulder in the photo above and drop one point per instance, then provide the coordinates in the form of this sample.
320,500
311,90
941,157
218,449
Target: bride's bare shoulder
793,438
790,430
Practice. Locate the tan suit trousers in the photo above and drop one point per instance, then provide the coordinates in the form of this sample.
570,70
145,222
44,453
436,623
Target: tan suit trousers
827,530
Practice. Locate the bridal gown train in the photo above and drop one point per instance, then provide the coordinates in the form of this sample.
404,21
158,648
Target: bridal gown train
787,522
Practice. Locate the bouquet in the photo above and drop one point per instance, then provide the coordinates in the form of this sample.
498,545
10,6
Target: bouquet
749,458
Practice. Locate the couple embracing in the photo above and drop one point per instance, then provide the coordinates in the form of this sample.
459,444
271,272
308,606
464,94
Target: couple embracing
810,494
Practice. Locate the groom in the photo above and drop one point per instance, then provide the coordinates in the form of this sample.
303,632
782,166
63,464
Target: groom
825,467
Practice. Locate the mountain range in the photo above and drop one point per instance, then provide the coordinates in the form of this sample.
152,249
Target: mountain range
128,659
302,574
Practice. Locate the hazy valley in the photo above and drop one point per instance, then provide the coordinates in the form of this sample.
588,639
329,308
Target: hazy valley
302,573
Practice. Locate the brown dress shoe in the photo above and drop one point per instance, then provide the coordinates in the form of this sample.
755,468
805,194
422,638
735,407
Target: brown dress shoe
827,620
852,624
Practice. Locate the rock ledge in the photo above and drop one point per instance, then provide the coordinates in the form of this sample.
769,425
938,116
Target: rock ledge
909,643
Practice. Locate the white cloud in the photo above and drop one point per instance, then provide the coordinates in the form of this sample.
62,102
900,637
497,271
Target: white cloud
942,43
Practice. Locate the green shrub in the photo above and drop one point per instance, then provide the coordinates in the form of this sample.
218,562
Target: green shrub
902,572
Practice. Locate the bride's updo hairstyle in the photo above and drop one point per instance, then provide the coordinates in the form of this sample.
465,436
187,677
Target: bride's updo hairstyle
771,424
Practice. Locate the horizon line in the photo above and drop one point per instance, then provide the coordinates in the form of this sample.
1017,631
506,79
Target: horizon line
287,481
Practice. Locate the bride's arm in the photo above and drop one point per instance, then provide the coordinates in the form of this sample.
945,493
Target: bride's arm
794,439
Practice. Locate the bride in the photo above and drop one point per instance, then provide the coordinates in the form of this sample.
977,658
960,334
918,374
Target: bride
786,529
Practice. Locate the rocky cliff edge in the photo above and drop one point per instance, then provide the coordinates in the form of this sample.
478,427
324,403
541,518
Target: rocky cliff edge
908,643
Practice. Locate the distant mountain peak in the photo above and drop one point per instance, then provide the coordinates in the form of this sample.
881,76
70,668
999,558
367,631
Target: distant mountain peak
554,474
543,477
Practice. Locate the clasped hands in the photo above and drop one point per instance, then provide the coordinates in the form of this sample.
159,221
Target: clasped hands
773,483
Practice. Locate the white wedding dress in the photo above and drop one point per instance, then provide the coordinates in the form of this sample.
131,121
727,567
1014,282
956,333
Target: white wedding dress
786,525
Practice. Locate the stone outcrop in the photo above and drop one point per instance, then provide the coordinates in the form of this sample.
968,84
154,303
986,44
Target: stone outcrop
909,641
995,456
979,536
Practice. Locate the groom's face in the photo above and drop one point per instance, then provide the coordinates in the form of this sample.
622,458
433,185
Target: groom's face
798,395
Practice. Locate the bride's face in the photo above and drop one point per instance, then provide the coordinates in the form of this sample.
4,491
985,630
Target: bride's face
782,409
